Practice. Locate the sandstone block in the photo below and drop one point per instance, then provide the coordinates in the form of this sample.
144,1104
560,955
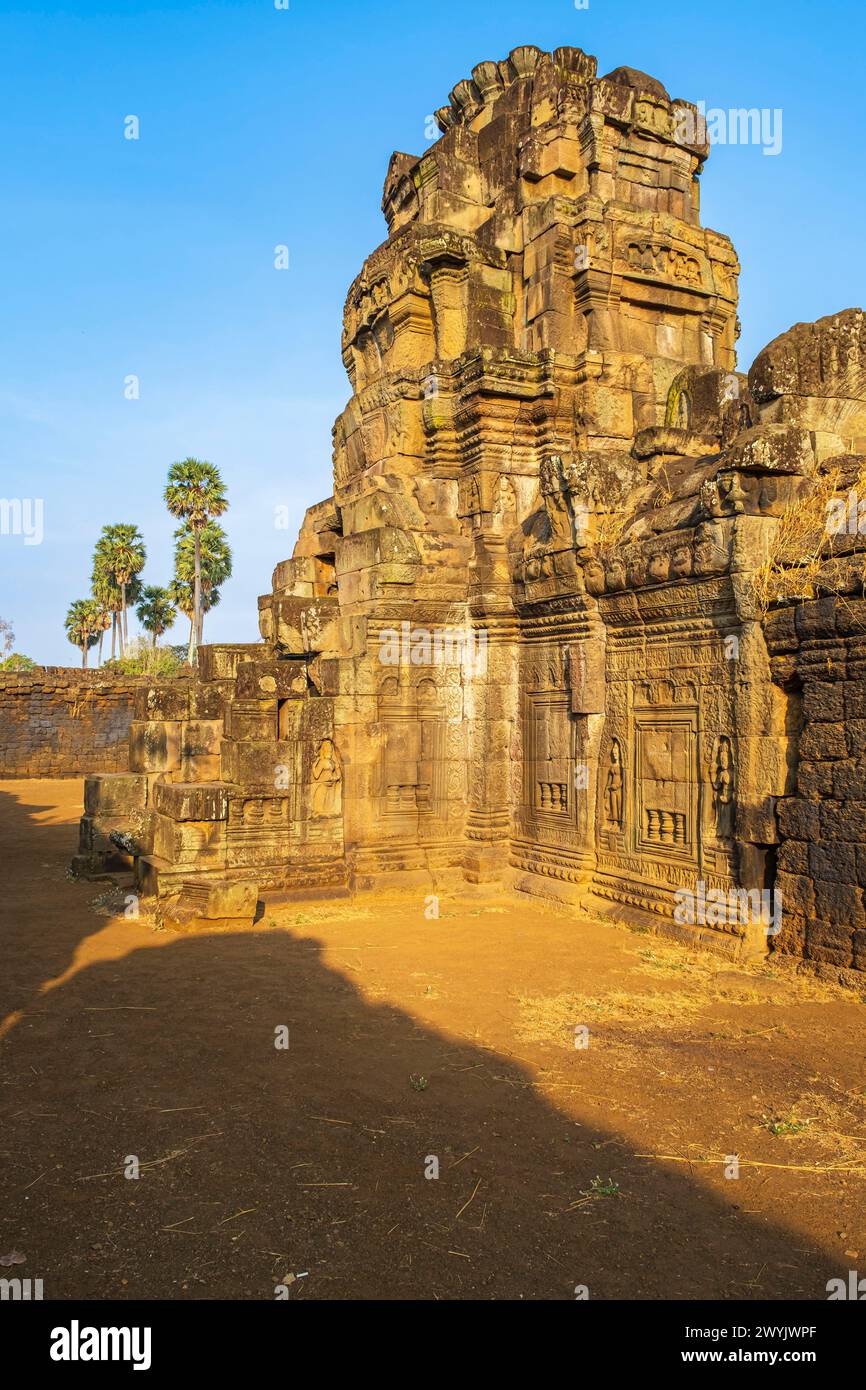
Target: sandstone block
108,793
186,844
211,906
155,746
181,801
156,703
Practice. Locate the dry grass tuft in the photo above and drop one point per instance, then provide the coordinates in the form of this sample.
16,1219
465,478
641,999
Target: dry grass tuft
608,529
700,982
553,1018
801,551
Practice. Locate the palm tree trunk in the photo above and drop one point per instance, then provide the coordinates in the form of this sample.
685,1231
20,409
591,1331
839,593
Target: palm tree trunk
197,594
84,657
153,639
190,656
123,627
99,651
113,633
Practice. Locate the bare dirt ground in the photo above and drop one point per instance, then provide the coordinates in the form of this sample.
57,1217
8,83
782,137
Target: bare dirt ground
409,1039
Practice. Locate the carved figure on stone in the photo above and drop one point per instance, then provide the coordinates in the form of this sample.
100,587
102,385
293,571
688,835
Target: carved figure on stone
710,498
555,500
613,787
723,788
504,500
711,554
327,782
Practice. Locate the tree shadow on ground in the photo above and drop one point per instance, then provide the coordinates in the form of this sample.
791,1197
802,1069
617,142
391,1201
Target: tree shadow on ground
257,1162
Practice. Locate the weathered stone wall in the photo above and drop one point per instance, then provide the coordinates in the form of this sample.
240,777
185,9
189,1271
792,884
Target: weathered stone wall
548,450
61,722
819,648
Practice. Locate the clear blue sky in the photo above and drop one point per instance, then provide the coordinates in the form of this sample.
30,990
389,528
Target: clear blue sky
262,126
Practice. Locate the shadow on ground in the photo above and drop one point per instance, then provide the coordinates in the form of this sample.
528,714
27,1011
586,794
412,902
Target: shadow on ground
258,1162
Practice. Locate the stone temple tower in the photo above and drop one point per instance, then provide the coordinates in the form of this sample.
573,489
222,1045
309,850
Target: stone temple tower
520,642
544,280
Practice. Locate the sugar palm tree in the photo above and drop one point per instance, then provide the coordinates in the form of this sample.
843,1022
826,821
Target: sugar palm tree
105,591
83,623
195,494
182,594
214,564
107,597
155,611
119,558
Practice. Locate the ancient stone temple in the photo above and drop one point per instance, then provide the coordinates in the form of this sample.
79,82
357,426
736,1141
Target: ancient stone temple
572,621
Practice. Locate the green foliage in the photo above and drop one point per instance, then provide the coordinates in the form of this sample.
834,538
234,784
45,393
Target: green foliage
785,1124
195,492
216,556
119,556
149,661
155,611
182,594
83,624
17,662
599,1188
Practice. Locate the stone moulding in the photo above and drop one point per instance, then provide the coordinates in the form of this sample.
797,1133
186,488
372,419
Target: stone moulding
548,442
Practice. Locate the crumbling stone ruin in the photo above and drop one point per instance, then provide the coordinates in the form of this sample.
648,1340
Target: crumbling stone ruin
556,629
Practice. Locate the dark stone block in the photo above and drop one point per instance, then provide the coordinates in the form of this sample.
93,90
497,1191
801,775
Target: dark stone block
793,857
843,821
849,781
798,819
836,863
839,904
815,780
822,742
798,894
824,702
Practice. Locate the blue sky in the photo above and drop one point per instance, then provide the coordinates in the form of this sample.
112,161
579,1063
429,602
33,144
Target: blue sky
261,126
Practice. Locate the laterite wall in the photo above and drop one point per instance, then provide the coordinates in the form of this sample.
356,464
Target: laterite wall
62,722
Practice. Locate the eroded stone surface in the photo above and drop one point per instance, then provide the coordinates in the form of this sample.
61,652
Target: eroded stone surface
522,640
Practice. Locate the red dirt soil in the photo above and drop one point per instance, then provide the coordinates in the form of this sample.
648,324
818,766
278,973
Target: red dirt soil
409,1038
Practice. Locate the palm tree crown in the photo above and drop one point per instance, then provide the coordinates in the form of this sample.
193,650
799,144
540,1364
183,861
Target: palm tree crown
207,549
83,624
117,562
155,611
195,494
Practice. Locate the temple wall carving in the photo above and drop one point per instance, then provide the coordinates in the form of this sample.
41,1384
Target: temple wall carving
532,638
